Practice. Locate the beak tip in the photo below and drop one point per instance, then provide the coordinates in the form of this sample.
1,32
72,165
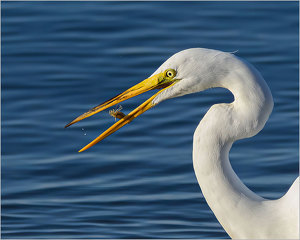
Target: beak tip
68,125
84,148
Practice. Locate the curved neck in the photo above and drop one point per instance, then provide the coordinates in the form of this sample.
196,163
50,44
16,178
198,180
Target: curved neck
223,124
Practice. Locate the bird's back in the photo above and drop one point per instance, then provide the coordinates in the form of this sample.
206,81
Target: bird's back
286,213
290,204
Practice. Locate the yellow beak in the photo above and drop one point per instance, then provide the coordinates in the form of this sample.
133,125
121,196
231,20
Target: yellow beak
154,82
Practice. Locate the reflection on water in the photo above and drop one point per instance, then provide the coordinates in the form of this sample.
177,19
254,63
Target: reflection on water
59,59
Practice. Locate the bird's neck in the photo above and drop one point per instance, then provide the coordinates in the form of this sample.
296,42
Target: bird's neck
223,124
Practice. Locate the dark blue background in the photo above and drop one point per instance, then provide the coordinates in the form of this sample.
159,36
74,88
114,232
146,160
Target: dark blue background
61,58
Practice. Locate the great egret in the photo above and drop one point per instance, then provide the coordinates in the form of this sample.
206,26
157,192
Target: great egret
241,212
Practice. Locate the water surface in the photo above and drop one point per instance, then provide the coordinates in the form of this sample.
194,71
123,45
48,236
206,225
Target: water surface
59,59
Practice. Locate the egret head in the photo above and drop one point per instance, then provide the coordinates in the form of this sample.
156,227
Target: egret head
185,72
191,71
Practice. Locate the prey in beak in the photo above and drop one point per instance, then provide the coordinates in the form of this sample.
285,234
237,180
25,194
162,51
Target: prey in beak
161,80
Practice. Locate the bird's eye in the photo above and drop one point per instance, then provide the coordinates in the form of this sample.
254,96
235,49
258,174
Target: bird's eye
170,73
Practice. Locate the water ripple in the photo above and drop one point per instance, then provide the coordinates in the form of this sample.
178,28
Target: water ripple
59,59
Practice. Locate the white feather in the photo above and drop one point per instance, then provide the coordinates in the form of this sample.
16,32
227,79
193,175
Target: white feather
242,213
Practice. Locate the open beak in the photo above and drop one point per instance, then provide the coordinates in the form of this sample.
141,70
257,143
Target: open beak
155,82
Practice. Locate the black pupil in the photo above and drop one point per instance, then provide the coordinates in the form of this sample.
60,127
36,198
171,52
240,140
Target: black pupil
169,74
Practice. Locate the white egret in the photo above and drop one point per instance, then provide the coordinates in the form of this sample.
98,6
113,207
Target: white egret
242,213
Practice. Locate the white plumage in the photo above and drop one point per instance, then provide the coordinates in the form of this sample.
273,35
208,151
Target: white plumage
242,213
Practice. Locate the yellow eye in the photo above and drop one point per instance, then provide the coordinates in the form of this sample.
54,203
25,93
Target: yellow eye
170,73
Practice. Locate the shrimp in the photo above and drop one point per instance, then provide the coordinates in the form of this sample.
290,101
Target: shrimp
116,113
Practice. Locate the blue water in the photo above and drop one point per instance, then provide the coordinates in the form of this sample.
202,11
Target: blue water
59,59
